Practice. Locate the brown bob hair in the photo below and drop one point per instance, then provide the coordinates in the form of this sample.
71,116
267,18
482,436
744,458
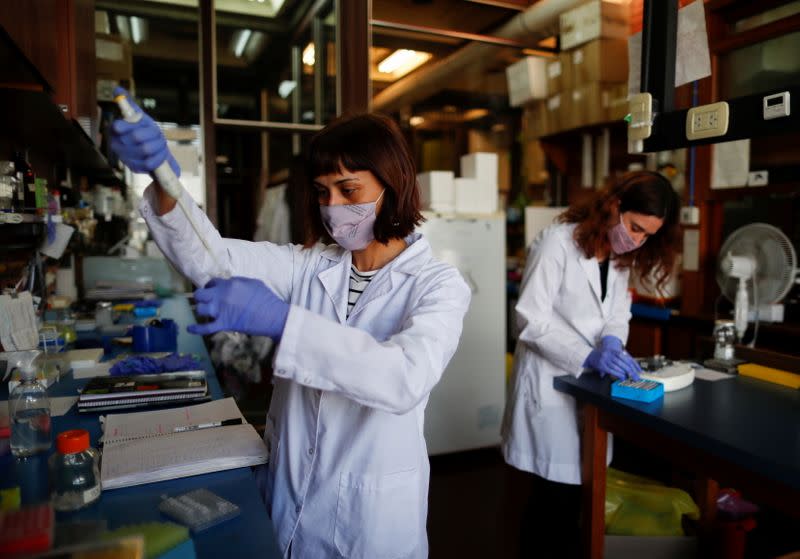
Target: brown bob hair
642,192
366,142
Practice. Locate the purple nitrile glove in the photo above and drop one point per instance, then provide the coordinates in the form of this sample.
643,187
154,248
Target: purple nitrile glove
629,364
240,305
611,342
140,145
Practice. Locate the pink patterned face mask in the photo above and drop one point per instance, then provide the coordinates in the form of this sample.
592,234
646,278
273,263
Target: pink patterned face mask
350,225
621,241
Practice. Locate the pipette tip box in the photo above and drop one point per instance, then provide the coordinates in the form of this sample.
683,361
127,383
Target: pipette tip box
641,390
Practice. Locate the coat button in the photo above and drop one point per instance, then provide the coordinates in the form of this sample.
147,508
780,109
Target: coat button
311,451
298,508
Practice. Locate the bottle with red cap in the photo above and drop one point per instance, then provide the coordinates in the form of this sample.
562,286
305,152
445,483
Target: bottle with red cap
74,471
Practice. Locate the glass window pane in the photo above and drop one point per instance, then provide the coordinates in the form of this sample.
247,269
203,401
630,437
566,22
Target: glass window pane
765,66
266,61
151,48
249,164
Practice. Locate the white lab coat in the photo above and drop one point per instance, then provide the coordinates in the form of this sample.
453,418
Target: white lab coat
560,318
348,470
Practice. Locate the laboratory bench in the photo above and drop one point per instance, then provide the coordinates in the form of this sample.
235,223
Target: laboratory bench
249,535
690,337
740,432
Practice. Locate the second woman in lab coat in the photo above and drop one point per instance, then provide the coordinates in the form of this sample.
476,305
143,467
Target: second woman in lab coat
365,327
572,316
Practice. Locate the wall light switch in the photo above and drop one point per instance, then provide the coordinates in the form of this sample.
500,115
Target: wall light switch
707,121
690,215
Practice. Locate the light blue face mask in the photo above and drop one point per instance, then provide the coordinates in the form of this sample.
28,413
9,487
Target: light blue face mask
350,225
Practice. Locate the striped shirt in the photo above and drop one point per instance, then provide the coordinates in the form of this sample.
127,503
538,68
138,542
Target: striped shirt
358,283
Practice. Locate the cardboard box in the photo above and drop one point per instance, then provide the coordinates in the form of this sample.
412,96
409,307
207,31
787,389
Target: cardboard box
555,72
615,99
594,20
437,190
557,110
601,60
114,60
534,163
482,166
527,80
586,106
474,196
534,121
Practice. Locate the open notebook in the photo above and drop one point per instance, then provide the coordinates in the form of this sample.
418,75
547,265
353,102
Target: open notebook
144,447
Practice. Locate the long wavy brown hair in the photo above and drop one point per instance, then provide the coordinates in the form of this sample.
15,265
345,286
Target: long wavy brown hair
642,192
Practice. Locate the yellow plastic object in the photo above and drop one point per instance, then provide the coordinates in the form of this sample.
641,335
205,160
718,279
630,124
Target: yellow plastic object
10,498
123,307
638,506
159,537
769,374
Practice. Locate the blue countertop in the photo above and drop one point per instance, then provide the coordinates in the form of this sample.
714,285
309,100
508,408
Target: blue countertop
249,535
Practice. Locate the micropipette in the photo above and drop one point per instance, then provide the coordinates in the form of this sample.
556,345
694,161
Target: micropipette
170,183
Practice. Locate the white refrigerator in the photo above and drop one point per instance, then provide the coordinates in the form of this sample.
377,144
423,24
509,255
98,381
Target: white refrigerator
466,407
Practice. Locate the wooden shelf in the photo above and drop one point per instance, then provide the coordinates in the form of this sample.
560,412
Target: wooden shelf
727,194
34,121
16,70
614,125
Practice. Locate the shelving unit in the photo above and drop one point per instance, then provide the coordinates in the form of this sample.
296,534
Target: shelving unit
31,117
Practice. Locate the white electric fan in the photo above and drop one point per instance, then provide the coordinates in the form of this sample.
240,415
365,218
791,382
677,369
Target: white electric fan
757,268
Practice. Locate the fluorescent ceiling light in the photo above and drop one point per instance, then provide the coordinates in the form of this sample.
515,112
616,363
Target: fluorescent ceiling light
138,29
285,88
240,41
124,27
257,8
402,61
309,55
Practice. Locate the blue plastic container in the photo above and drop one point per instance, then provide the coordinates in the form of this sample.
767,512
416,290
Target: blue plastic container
161,336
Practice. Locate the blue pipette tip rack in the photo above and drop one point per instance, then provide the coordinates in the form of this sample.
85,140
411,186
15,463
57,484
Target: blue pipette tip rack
641,391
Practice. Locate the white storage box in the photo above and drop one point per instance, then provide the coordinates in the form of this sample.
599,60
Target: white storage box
527,80
437,190
474,196
481,166
593,20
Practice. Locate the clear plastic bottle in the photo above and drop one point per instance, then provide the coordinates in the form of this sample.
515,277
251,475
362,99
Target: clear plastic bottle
74,471
29,409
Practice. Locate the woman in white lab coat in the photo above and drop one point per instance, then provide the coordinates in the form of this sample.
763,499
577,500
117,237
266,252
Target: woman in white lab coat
365,327
572,316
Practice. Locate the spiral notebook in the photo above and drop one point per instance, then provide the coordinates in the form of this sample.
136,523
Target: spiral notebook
145,447
116,392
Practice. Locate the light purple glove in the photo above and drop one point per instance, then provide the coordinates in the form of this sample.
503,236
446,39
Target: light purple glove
140,145
240,305
612,359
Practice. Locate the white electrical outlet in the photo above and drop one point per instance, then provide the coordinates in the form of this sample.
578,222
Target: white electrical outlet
707,121
640,125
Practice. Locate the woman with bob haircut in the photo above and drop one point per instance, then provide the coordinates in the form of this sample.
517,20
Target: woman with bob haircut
365,328
572,316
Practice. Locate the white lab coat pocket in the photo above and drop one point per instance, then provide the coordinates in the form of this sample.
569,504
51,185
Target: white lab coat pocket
378,517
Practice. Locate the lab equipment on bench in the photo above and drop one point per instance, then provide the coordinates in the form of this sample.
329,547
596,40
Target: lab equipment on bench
169,182
641,391
75,470
673,375
199,509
